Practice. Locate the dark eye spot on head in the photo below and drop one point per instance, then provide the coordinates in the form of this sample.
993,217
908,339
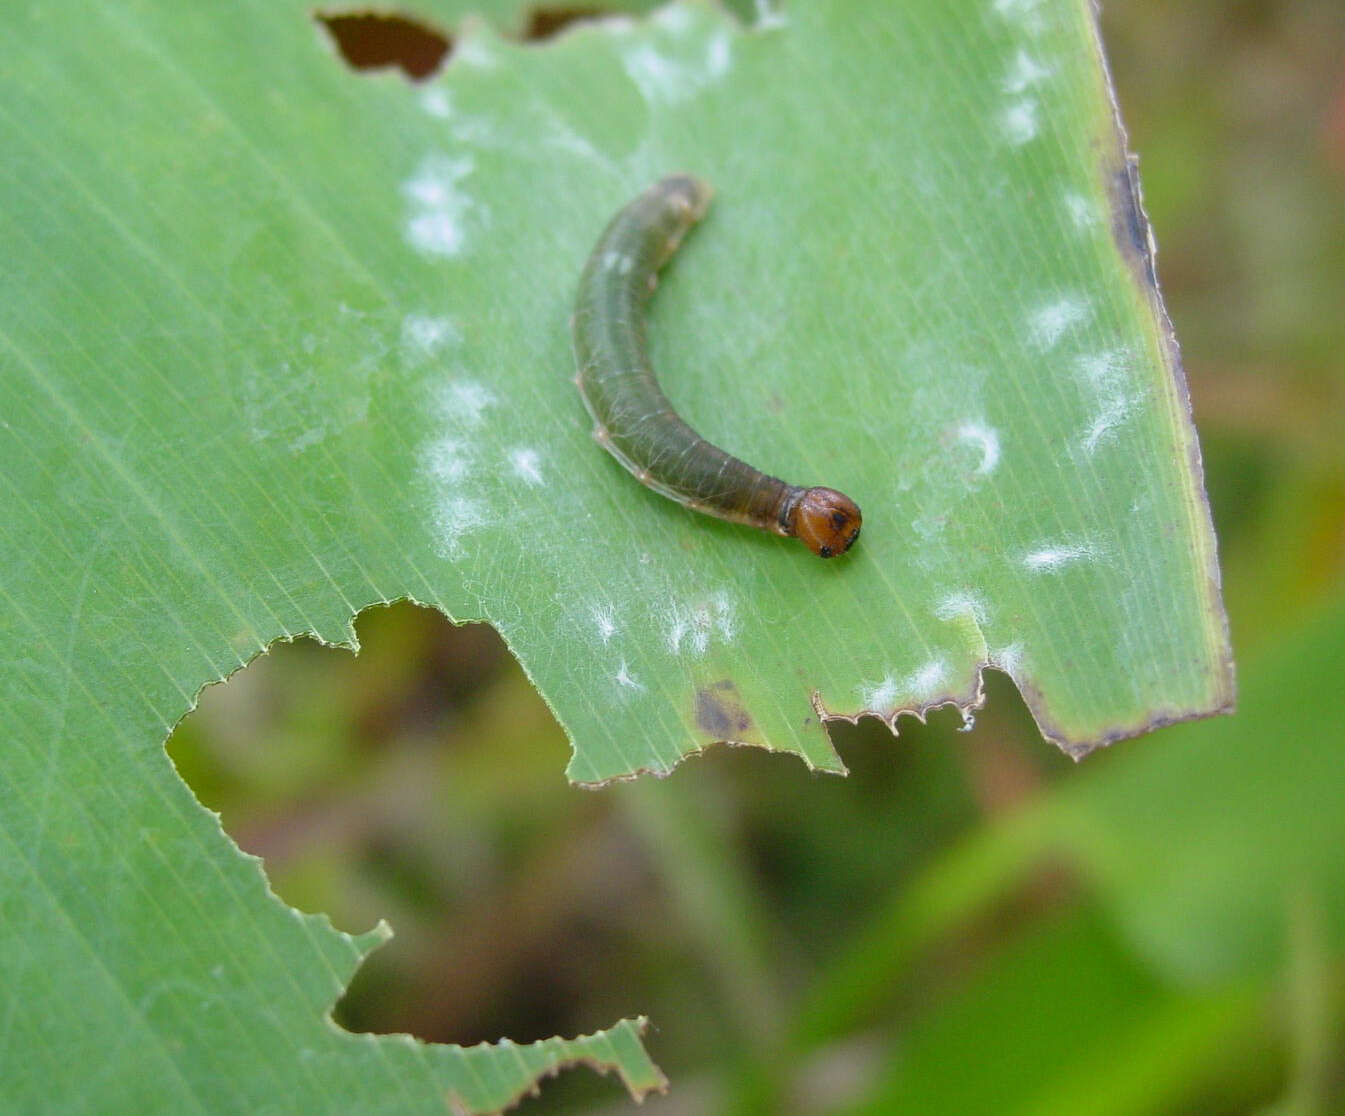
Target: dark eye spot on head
821,519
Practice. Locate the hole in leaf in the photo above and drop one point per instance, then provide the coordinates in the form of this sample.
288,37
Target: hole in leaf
421,782
546,23
374,41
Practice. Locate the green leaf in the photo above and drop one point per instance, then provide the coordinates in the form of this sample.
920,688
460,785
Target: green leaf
1205,843
278,341
1065,1021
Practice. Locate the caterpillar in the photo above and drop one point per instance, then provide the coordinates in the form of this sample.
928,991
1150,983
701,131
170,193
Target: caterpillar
633,419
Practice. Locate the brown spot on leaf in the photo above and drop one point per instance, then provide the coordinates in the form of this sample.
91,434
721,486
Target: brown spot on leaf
720,712
1130,226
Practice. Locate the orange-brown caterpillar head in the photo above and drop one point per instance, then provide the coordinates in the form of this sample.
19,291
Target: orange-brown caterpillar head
687,192
826,520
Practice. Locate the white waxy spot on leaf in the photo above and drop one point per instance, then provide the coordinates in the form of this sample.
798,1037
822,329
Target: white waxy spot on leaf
879,696
1105,373
926,680
658,78
476,51
929,527
467,401
676,630
526,464
1026,13
1048,559
674,18
1082,212
455,517
436,103
1115,410
447,460
956,605
692,627
604,621
1105,369
923,683
1008,658
564,138
1048,323
725,620
1019,122
450,460
986,440
770,15
677,71
718,56
436,234
442,213
1024,71
424,335
627,680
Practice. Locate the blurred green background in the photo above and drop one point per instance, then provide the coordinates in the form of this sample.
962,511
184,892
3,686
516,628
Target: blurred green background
969,922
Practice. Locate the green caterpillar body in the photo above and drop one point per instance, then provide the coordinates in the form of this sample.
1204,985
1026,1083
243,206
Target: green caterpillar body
633,419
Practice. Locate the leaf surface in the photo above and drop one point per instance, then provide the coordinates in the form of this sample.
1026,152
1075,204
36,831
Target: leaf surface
278,341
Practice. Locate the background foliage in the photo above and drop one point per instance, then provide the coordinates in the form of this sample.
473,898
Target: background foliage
969,922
